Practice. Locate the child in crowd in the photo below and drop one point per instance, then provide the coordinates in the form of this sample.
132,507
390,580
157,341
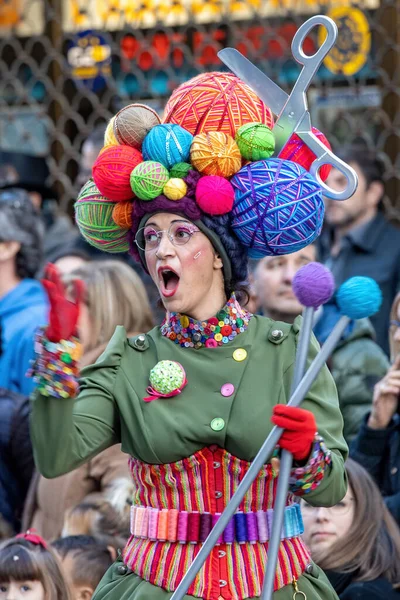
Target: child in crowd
84,560
30,570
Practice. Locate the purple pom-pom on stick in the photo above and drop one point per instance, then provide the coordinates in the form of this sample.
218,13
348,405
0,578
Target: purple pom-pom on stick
313,285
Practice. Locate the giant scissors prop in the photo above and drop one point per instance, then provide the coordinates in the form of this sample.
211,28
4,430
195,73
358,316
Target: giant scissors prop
292,110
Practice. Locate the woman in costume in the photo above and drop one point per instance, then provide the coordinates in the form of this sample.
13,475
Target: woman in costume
193,400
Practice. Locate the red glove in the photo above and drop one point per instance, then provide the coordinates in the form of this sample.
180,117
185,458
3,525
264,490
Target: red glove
300,429
64,314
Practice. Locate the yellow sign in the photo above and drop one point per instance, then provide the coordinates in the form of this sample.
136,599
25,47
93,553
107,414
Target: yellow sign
353,44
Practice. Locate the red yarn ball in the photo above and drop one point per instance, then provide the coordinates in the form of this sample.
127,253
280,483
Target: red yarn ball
297,151
112,171
215,195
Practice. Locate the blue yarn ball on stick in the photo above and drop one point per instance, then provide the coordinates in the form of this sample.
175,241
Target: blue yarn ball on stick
278,207
359,297
168,144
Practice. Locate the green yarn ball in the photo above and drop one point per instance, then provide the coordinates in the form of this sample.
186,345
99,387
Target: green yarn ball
148,179
256,141
180,170
93,215
167,376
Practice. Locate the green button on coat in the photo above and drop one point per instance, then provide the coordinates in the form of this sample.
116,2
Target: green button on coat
217,424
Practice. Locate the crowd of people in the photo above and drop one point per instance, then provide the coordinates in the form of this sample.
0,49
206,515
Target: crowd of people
59,536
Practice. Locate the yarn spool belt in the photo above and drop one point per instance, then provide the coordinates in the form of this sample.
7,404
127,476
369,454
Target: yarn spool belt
109,137
167,144
175,189
215,102
297,151
112,171
278,207
215,195
313,285
255,141
148,179
215,153
132,123
122,214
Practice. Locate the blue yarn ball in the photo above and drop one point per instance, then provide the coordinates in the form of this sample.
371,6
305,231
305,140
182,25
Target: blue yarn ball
278,207
168,144
359,297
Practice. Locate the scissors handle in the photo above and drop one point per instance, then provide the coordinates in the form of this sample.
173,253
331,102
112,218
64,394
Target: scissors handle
327,157
299,38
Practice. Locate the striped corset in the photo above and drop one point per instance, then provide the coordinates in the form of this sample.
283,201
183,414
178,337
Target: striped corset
204,483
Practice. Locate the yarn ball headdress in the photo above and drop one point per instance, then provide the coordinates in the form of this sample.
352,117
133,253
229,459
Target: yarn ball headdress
210,159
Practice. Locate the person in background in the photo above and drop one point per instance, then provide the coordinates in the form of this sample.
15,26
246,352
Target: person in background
23,301
358,239
71,259
377,445
84,560
356,542
89,152
357,363
30,570
113,295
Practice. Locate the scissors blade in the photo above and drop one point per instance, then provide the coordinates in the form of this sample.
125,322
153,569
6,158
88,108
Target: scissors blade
270,93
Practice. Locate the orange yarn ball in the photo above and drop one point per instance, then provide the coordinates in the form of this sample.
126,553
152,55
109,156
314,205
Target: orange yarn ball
216,102
112,171
122,214
215,153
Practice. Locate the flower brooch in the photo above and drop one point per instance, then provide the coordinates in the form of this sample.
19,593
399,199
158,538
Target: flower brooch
167,379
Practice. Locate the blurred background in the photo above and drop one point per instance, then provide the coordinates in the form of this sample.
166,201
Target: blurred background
67,66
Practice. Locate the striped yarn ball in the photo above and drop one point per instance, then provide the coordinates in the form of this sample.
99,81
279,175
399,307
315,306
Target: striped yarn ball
215,102
255,141
215,153
93,215
167,144
132,124
297,151
112,171
122,214
148,179
109,136
278,207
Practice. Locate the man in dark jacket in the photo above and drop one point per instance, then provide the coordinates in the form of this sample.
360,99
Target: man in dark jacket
16,460
358,240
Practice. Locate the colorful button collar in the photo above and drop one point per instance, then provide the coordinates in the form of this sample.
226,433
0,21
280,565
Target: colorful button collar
221,329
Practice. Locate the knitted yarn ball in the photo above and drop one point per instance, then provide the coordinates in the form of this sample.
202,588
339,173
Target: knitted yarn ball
313,285
297,151
122,214
278,207
167,376
148,179
94,217
109,137
215,195
215,102
112,171
132,123
359,297
175,189
180,170
255,141
215,153
167,144
106,148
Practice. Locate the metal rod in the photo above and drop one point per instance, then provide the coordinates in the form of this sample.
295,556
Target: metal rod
262,457
286,462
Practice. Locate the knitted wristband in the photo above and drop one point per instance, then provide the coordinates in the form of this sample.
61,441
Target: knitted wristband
305,479
55,368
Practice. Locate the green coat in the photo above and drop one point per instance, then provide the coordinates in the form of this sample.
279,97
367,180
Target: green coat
110,409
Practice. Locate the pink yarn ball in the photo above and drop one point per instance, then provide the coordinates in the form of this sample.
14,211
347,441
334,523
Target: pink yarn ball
112,171
215,195
297,151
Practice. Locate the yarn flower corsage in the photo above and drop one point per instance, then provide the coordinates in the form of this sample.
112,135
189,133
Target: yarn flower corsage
167,379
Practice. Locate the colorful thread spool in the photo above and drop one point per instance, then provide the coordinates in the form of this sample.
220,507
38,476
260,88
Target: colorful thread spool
278,207
215,102
133,122
255,141
182,527
297,151
175,189
215,195
112,171
168,144
215,153
214,519
148,179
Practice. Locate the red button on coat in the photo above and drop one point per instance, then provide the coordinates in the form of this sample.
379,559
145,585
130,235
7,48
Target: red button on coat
226,330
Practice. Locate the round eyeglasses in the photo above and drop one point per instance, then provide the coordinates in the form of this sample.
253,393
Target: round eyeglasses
338,510
179,233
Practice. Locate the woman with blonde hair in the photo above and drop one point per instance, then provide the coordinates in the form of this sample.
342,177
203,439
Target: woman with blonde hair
113,295
377,445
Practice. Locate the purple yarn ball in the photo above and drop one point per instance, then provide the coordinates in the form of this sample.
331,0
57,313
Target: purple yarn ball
313,285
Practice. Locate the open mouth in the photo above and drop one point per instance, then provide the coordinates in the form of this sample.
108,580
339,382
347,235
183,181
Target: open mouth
169,281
